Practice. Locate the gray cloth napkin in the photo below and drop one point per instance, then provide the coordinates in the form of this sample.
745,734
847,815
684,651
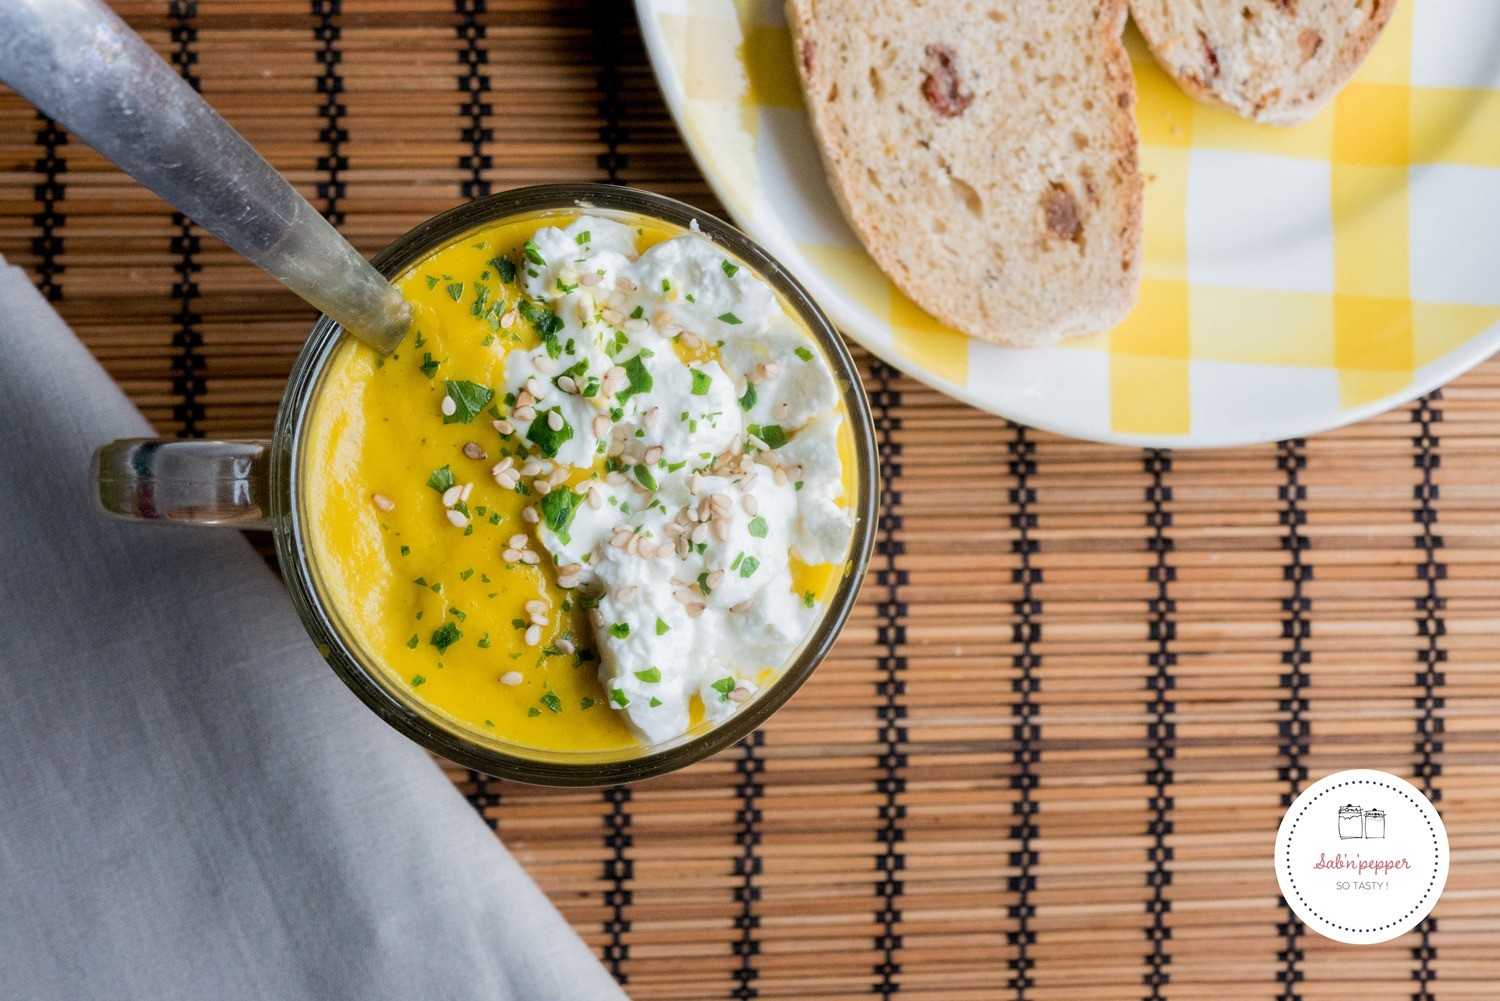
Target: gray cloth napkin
191,804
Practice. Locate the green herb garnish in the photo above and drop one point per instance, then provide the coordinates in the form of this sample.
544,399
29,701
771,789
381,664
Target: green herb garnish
650,674
758,527
543,435
504,268
441,479
445,636
620,630
551,701
558,509
749,567
469,400
730,319
701,382
730,269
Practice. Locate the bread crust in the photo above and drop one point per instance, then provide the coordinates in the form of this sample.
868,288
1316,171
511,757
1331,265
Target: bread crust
1276,71
1076,270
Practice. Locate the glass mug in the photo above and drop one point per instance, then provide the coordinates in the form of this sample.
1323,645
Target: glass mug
257,484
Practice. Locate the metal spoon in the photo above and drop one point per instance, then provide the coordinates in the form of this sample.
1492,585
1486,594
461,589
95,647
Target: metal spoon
82,65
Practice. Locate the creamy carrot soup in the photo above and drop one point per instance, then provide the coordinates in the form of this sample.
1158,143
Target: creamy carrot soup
598,498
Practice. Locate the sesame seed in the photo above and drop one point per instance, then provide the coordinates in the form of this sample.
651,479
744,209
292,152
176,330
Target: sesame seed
662,318
533,467
750,505
615,478
590,279
627,595
613,316
524,413
597,617
585,308
473,450
530,558
555,420
751,479
535,388
594,500
695,609
601,425
541,486
714,579
700,534
452,495
529,515
720,502
463,494
566,384
636,325
517,541
783,409
566,645
671,330
511,678
558,475
691,341
721,530
524,398
779,476
570,569
625,284
544,365
509,319
538,619
615,373
457,518
739,694
616,300
694,483
448,405
772,370
743,606
383,502
511,556
533,635
654,454
504,427
566,582
683,597
762,446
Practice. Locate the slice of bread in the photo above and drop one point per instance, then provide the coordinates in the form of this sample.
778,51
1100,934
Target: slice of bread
985,153
1272,61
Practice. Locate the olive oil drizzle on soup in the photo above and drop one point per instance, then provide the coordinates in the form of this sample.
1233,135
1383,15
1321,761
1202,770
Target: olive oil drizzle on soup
430,562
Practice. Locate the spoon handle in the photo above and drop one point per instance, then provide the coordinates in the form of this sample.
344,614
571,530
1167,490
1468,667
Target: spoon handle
83,66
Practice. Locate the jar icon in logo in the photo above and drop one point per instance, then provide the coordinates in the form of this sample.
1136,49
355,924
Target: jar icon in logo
1352,822
1374,823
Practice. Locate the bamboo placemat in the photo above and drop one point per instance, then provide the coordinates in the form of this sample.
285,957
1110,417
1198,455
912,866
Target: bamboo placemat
1049,755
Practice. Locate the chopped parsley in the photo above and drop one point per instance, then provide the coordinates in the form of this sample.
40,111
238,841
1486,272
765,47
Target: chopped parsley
748,400
429,367
558,509
534,254
418,681
455,290
650,674
551,701
730,269
620,630
582,238
804,354
643,475
772,434
661,627
730,319
703,584
654,702
533,712
445,636
484,642
469,400
542,434
411,644
406,550
504,268
587,703
441,479
807,598
701,382
618,698
723,686
758,527
749,566
639,376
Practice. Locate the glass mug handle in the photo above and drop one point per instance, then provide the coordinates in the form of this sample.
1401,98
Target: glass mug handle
185,481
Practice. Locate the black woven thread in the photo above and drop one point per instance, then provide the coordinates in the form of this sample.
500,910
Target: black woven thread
47,245
605,18
1432,655
1294,730
473,83
618,872
885,400
749,767
1026,732
608,18
331,88
1161,741
187,367
475,86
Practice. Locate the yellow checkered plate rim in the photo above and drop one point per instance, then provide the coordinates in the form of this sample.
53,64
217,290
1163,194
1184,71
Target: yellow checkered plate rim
1295,279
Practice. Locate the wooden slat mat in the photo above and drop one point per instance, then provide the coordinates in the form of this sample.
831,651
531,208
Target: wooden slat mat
1048,757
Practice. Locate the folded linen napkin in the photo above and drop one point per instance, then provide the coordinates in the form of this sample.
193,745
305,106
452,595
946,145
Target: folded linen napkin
191,804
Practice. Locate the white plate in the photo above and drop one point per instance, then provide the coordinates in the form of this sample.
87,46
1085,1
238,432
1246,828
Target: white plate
1295,279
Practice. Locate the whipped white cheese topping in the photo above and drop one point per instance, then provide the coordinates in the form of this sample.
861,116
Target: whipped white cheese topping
717,421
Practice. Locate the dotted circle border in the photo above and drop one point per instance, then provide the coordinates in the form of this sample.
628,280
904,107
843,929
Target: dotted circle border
1437,856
